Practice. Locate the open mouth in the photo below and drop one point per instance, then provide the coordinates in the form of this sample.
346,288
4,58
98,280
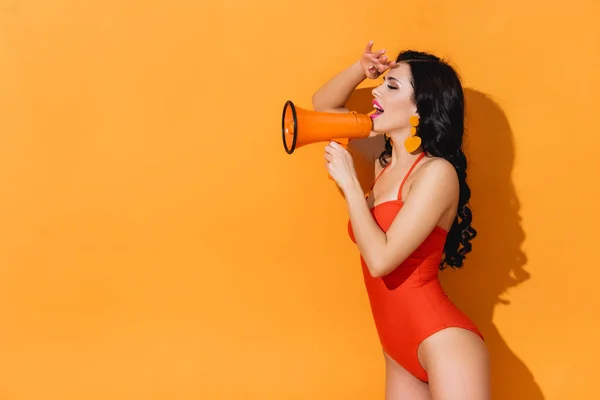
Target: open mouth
378,110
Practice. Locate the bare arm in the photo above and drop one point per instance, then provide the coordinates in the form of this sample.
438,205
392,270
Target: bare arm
430,198
334,95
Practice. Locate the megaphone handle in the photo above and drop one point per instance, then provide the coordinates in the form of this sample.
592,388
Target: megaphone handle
342,142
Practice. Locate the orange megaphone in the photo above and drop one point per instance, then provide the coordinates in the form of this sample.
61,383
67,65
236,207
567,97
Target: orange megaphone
301,127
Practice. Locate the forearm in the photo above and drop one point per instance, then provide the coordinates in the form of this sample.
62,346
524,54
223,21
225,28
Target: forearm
336,92
369,237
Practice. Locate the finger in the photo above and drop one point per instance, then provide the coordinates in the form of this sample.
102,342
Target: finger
392,64
329,149
379,53
338,148
382,59
369,47
334,145
381,68
373,71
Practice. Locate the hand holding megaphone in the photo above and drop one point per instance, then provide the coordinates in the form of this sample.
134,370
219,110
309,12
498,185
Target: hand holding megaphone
301,127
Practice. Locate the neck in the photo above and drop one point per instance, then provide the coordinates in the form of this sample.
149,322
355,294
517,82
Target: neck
399,154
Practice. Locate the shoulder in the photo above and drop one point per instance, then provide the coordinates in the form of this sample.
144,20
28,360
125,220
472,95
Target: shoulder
437,176
439,168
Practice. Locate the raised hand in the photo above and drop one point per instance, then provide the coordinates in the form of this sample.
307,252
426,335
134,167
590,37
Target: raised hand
375,63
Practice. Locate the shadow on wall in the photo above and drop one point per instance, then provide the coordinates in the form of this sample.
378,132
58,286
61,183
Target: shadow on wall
496,262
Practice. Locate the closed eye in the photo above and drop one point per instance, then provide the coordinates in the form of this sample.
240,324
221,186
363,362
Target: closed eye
390,86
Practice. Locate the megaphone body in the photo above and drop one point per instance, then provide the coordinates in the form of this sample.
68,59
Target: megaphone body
301,127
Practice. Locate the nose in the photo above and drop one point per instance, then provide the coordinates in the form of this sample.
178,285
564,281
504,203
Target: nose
375,92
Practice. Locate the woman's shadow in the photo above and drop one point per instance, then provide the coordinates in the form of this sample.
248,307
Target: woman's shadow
497,262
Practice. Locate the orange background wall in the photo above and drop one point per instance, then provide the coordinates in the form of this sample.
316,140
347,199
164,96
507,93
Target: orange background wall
157,243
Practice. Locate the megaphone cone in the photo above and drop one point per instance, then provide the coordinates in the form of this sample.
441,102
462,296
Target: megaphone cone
301,127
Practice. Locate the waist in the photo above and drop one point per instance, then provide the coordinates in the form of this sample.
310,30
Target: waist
389,293
414,272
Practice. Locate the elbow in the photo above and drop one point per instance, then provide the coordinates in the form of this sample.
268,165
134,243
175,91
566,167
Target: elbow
381,267
377,273
378,268
315,102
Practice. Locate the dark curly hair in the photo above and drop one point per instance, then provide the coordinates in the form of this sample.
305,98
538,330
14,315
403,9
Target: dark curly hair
439,98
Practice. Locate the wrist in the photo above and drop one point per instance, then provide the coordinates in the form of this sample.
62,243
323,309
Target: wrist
352,189
360,71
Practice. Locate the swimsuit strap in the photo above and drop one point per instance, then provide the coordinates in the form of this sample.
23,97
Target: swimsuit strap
376,178
414,164
378,175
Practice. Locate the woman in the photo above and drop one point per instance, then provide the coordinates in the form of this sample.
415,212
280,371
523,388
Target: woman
413,222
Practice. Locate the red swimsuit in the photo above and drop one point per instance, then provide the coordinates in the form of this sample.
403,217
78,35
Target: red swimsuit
409,304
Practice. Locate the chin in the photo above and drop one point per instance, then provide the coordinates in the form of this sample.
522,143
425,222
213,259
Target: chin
377,127
381,124
380,128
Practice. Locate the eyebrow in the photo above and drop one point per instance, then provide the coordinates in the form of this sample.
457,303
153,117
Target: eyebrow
392,78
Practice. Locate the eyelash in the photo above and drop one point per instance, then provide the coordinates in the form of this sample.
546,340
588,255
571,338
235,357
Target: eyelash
391,87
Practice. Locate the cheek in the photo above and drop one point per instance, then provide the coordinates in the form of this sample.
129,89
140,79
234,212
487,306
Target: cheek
400,112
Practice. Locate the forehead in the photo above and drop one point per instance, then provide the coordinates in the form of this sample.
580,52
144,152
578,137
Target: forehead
401,72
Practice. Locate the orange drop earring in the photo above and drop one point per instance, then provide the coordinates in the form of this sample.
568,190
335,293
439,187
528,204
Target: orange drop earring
413,142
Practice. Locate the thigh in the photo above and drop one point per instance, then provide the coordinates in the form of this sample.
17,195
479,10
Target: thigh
401,384
457,365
